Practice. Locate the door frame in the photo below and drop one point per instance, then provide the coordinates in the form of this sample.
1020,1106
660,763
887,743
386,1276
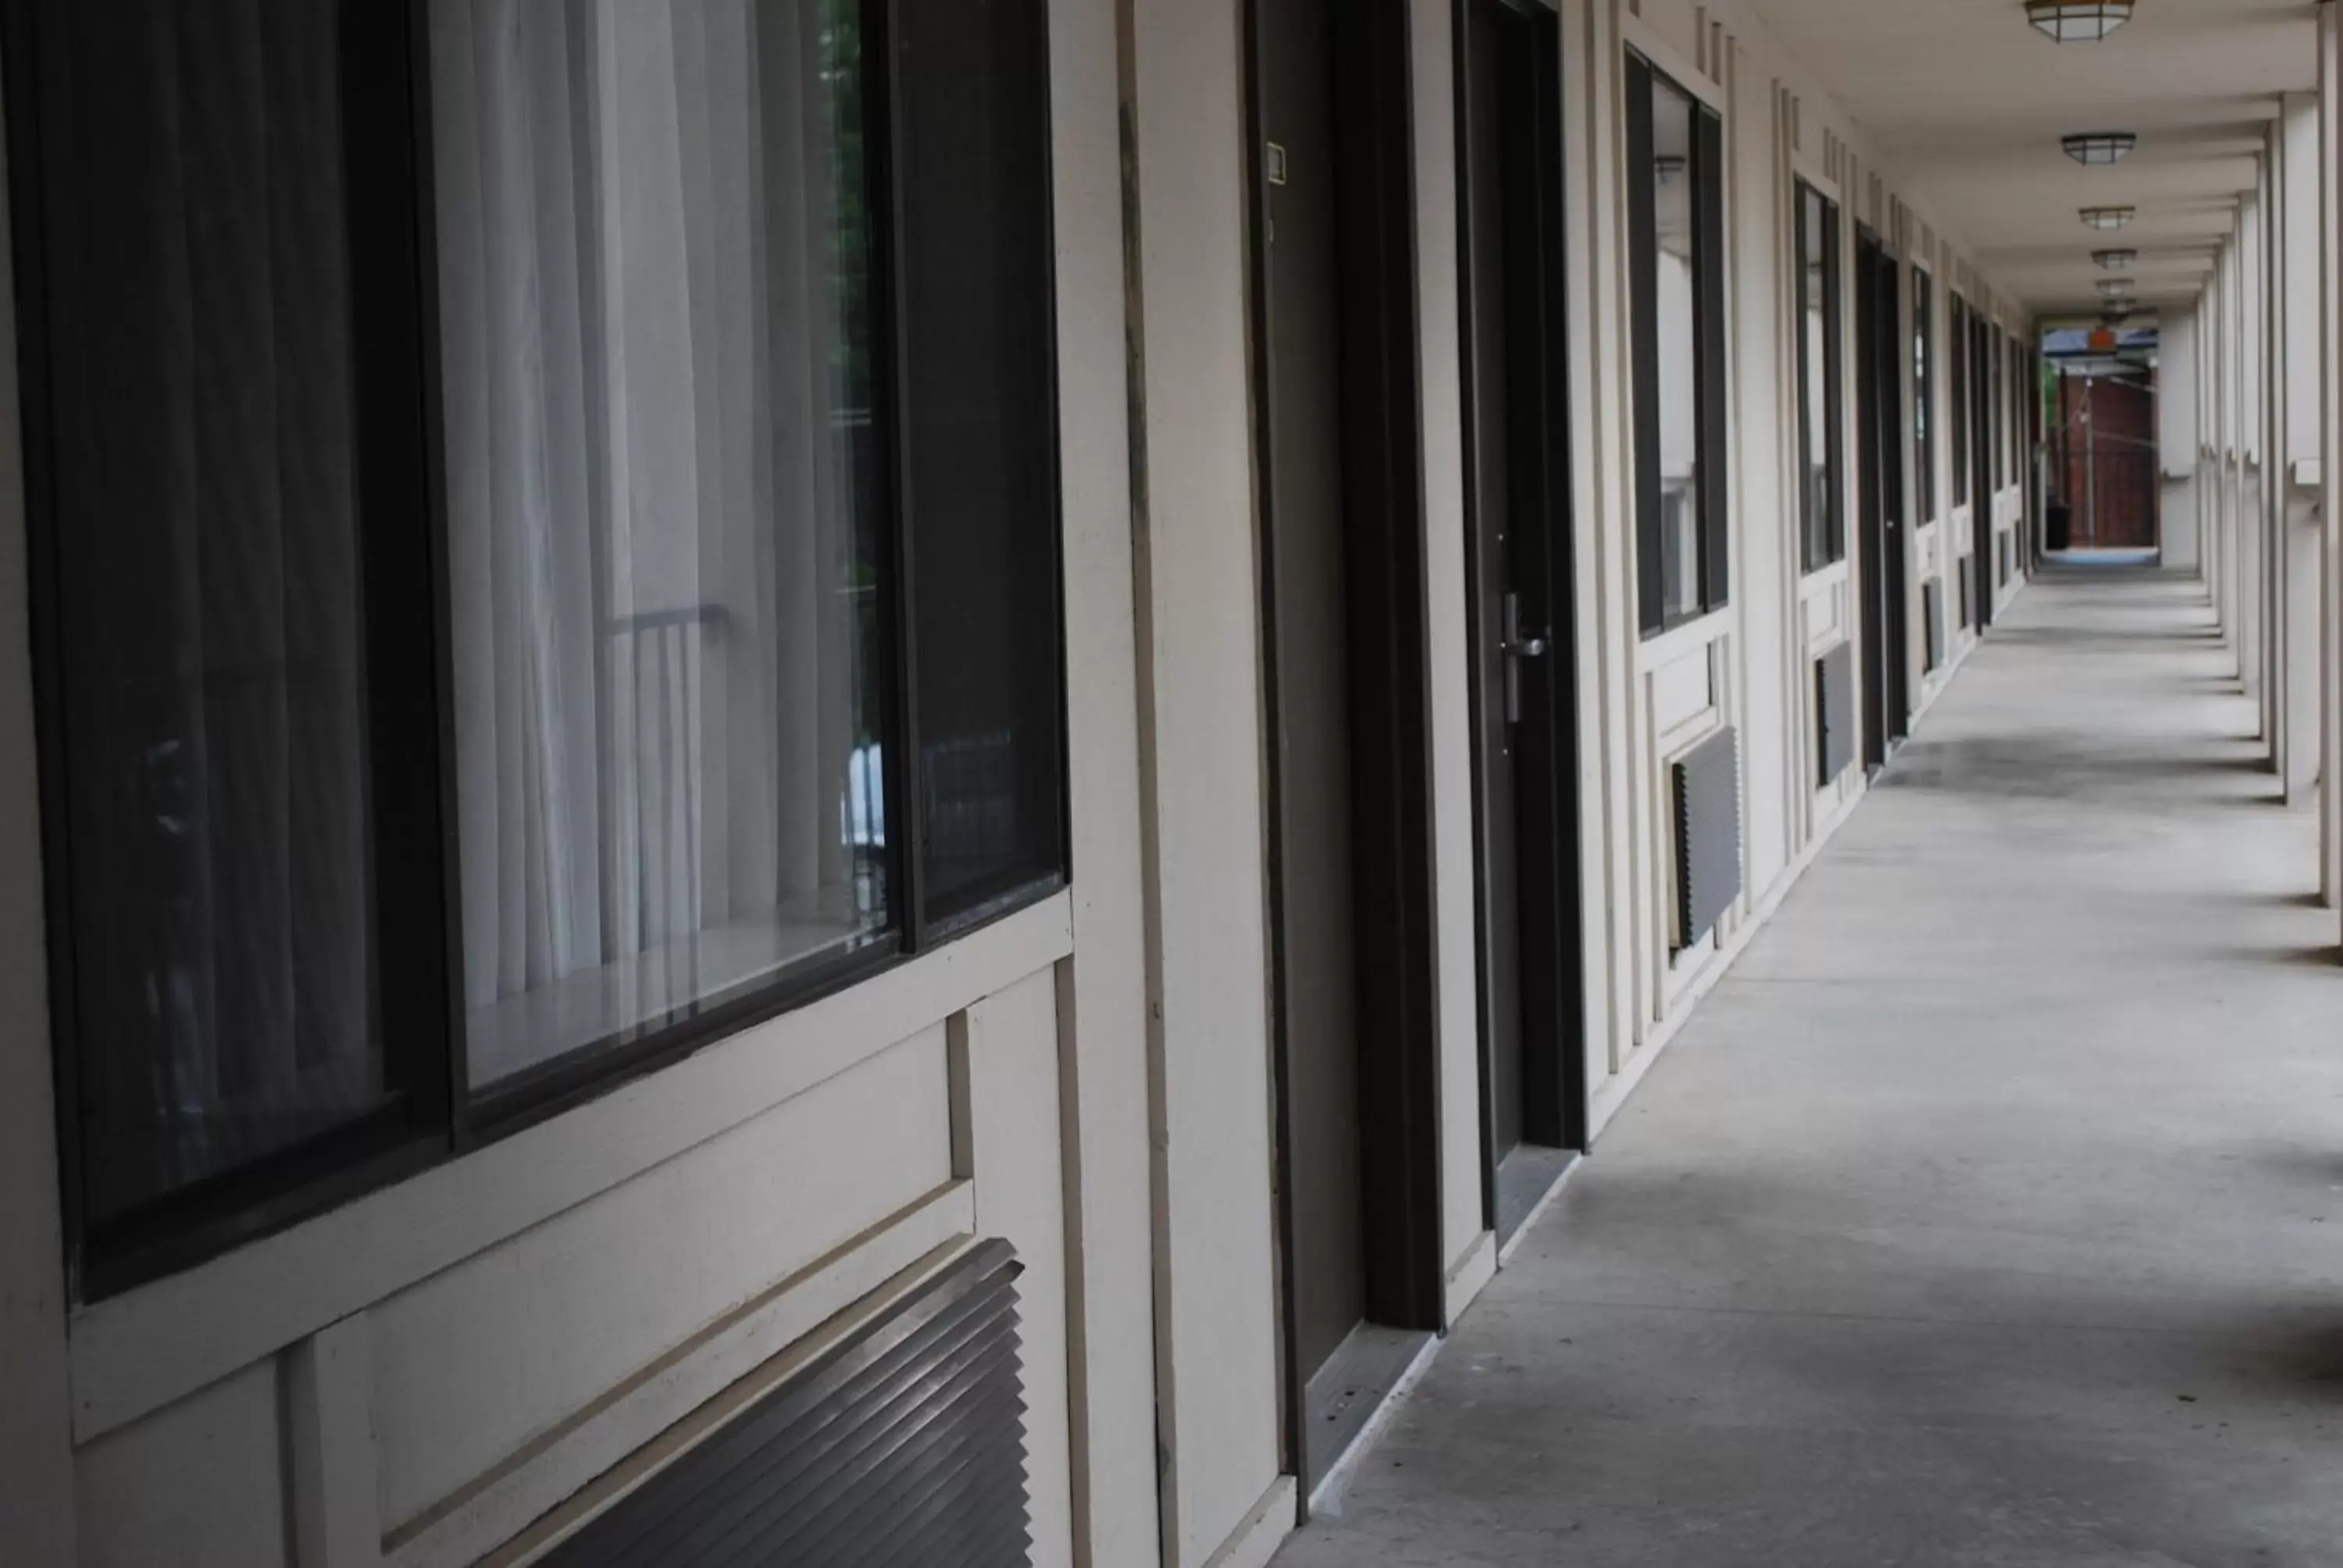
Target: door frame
1380,423
1555,1111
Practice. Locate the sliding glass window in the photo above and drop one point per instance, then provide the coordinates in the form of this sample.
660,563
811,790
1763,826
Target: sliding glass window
1924,395
1821,441
1675,149
1990,367
2021,454
593,589
1962,340
665,512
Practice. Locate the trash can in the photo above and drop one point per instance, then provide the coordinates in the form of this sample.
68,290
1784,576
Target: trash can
2059,529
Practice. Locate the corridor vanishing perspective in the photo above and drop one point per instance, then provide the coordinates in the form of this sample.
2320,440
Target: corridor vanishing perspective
1991,1211
1171,783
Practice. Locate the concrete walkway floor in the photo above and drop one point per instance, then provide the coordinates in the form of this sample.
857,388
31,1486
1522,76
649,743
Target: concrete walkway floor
1991,1210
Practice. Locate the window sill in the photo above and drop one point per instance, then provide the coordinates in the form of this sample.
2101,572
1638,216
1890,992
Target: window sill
1672,643
1828,575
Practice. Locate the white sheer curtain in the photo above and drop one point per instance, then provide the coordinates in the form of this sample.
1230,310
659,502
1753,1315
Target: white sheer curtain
651,495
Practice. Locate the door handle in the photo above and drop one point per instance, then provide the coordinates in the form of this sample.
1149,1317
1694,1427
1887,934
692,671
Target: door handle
1517,646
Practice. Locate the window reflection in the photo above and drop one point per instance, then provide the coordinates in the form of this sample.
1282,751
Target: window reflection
663,509
1924,451
1817,374
1960,413
210,521
1674,210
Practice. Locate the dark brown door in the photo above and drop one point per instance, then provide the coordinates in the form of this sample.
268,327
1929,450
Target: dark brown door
1887,715
1517,548
2108,473
1501,649
1315,933
1983,428
1353,947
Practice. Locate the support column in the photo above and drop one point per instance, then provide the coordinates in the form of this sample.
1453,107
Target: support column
2248,594
1104,1091
2330,452
2296,347
2261,458
2180,444
2228,524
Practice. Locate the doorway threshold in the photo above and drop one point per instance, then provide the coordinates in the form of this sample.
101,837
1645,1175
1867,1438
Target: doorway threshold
1343,1396
1527,1179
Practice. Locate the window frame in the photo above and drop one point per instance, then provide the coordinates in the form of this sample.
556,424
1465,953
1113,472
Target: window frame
1708,167
416,939
1834,535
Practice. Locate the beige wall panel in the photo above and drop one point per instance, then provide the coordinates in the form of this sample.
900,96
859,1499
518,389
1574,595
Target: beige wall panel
1455,875
475,1363
198,1484
1016,1157
1760,276
1103,1004
1201,746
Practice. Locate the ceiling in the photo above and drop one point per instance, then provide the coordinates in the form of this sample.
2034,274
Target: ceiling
1969,102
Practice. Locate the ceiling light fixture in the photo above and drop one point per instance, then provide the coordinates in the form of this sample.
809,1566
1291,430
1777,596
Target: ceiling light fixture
2115,260
2114,287
2096,149
2078,21
2108,216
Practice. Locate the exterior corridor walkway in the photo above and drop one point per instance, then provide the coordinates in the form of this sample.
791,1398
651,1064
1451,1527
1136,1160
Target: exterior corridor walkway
1990,1211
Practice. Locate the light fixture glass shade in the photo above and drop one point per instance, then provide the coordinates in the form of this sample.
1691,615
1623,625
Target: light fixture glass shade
2108,216
2115,260
2096,149
2078,21
2114,287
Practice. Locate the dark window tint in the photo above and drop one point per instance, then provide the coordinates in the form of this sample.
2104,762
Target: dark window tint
218,461
979,455
1675,155
1962,346
2020,441
709,511
1924,395
1818,379
2021,457
1990,367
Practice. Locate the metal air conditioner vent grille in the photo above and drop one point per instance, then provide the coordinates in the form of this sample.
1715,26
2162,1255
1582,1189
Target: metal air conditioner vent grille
902,1444
1708,834
1835,710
